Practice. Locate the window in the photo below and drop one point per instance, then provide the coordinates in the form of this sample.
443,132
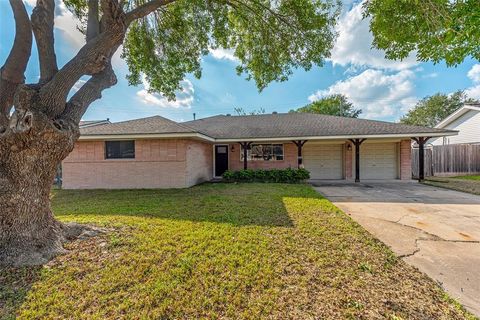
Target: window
120,149
264,152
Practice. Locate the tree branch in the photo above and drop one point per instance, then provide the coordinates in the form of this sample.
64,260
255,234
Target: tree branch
92,58
145,9
42,23
12,72
88,93
93,25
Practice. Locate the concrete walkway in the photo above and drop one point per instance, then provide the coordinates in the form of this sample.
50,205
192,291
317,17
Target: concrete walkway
433,229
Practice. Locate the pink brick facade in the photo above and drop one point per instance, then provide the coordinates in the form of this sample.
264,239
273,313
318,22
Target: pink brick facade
289,159
157,164
348,174
179,163
405,160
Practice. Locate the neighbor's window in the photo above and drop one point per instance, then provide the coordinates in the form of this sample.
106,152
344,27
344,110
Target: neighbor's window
264,152
120,149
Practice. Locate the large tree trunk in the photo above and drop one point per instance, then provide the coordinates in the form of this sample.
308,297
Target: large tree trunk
29,156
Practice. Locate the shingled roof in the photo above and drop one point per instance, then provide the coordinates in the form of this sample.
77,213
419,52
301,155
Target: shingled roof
300,125
286,125
150,125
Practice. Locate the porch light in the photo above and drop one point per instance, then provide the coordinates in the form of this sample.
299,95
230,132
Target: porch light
232,148
349,147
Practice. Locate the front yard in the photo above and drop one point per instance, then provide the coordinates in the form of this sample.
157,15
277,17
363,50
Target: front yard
238,251
470,184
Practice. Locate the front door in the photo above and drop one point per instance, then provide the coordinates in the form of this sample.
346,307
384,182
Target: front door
221,159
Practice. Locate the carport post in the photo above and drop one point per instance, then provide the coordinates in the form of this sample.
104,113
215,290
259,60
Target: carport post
299,144
421,156
246,147
357,143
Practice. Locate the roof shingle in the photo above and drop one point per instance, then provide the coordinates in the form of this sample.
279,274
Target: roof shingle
286,125
150,125
297,125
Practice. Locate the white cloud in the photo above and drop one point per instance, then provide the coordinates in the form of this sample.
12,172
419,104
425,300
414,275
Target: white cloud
378,93
184,98
31,3
66,22
78,85
354,44
430,75
474,75
223,54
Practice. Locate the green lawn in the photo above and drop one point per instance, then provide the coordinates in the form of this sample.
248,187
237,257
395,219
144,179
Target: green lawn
237,251
477,178
470,184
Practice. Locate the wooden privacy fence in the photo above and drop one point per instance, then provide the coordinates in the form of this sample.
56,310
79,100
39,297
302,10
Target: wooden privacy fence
452,159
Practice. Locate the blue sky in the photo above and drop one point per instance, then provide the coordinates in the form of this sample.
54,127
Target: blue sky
383,89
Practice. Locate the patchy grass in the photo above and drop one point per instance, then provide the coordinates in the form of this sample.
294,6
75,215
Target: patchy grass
238,251
470,184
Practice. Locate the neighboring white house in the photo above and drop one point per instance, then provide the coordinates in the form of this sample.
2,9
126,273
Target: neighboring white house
466,121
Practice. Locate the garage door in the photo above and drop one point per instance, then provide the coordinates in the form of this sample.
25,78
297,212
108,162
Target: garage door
324,161
378,161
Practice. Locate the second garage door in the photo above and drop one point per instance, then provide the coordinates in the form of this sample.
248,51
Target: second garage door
324,161
378,161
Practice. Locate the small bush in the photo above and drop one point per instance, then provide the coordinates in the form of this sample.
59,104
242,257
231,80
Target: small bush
274,175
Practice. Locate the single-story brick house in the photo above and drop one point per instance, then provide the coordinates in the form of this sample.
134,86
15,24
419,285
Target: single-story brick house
156,152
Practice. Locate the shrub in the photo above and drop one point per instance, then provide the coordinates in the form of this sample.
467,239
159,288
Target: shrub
274,175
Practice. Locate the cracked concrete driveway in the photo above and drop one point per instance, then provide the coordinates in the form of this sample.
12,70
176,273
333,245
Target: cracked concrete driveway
434,229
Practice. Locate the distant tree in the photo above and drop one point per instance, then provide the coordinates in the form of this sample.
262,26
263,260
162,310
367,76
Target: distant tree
435,30
334,105
431,110
241,112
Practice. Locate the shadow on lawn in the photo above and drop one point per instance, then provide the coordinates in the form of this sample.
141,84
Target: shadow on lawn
14,286
237,205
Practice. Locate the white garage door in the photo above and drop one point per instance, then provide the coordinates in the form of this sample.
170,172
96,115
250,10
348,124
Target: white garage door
324,161
378,161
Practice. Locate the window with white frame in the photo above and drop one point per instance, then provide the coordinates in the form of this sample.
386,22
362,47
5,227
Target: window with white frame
263,152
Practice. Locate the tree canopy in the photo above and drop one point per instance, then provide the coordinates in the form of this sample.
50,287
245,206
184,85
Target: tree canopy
269,38
432,109
241,111
335,105
435,30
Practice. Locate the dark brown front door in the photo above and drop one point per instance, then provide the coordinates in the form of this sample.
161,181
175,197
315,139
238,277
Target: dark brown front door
221,159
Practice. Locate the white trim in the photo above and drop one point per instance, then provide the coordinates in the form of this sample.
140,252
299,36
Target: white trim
259,160
457,114
146,136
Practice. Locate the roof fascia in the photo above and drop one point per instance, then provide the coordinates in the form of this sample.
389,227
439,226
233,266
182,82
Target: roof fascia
454,116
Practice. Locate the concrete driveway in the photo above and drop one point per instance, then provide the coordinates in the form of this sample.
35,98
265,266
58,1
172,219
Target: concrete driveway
433,229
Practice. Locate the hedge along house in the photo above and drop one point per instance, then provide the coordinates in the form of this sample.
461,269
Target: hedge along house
156,152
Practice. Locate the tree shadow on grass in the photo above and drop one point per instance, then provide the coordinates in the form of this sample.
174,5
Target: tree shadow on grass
14,286
239,205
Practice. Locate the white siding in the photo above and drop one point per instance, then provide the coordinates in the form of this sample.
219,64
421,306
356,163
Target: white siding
468,126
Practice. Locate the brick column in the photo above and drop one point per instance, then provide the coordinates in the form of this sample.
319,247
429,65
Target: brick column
405,160
348,161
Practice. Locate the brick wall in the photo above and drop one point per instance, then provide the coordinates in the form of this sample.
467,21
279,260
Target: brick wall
199,164
348,161
157,164
405,160
289,159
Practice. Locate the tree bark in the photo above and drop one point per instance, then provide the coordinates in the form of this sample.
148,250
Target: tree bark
43,129
30,153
